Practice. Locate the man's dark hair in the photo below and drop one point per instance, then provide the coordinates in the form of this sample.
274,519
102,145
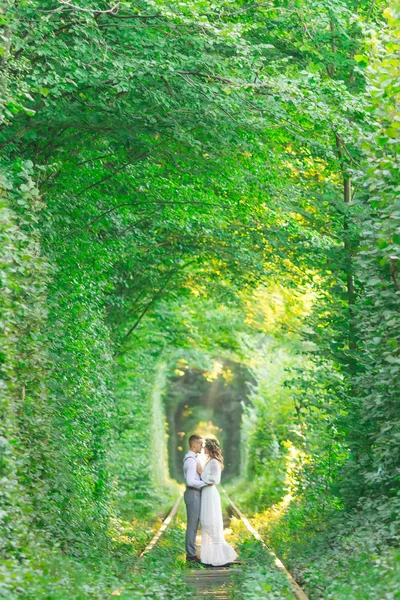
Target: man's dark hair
194,438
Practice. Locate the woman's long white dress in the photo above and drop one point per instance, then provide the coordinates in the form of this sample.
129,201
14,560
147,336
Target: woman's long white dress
214,549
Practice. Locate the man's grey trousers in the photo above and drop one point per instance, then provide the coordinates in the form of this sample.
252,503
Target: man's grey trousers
192,500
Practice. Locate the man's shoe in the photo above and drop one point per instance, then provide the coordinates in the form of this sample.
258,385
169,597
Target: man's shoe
193,559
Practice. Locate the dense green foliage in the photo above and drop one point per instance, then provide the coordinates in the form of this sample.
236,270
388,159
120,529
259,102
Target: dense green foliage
185,180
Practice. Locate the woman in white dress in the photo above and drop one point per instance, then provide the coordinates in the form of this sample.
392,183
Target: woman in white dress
214,550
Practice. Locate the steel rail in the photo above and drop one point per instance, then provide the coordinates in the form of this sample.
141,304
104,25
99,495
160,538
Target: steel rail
299,593
163,528
154,540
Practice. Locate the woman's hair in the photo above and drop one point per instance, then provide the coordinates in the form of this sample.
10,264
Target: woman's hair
214,450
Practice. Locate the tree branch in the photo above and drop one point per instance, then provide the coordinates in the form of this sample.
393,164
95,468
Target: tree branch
69,4
146,308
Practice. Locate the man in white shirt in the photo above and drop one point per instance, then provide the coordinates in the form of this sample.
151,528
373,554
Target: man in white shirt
192,495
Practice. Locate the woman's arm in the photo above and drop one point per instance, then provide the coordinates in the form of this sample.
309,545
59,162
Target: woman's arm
213,473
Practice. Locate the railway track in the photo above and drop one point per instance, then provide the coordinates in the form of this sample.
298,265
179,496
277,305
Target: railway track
216,582
153,542
297,590
165,524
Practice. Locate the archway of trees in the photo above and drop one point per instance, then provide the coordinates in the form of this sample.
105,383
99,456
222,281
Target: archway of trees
209,403
199,229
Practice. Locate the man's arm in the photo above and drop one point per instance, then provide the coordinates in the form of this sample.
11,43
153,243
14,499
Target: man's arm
191,478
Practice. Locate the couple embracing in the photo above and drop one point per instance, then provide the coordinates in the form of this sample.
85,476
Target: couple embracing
203,504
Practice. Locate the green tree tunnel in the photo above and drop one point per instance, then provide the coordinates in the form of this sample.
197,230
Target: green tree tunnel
199,231
210,404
